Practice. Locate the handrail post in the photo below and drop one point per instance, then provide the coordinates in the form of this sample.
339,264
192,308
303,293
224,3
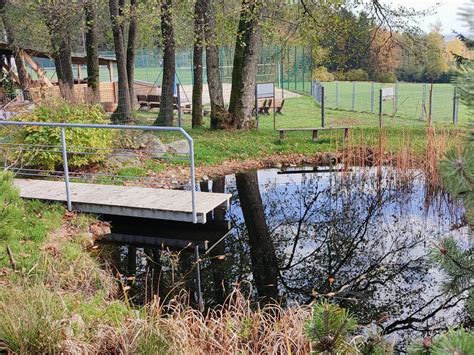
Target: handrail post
66,168
193,176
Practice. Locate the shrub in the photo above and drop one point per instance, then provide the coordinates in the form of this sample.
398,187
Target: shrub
340,76
46,141
329,328
357,75
457,341
322,74
387,77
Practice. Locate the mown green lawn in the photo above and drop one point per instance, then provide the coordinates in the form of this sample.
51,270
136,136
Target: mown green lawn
214,147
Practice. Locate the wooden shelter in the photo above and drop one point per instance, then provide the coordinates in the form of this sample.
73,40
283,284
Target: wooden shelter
43,86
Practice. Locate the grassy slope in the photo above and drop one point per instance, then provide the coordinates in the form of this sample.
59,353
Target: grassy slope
48,283
58,299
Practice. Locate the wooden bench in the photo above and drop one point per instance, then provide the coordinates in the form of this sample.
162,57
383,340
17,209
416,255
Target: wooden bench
279,106
142,101
315,130
153,101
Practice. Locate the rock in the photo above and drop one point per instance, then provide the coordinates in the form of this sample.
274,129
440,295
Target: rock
152,145
125,158
277,165
178,147
99,229
77,322
328,159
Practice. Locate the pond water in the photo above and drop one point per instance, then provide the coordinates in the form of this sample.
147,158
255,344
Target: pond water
364,238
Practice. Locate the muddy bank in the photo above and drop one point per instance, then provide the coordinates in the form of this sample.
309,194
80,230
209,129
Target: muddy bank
175,176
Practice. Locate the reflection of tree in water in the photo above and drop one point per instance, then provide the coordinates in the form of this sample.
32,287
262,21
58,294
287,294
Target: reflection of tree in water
365,244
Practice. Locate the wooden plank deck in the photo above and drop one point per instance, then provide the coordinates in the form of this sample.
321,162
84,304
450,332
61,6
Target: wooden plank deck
173,205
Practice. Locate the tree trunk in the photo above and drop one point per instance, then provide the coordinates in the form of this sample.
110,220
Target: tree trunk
165,116
214,82
92,53
60,32
63,64
219,264
262,251
132,36
124,109
199,10
23,78
247,45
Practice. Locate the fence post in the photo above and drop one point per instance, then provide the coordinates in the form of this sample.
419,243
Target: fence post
396,95
423,102
380,109
353,95
430,106
372,97
179,105
66,168
256,103
302,67
322,106
337,94
455,107
295,72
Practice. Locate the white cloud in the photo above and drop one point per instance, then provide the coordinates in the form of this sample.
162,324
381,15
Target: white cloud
446,12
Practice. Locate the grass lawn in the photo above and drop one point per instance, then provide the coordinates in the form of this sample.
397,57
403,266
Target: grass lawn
409,102
214,147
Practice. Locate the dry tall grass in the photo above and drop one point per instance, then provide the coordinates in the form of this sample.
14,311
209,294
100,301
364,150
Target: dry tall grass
236,327
37,320
406,157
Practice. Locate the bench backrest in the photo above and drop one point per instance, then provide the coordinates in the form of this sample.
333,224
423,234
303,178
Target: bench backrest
262,103
141,98
153,98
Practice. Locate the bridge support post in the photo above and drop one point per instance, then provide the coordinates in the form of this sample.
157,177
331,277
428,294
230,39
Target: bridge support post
200,300
66,168
193,174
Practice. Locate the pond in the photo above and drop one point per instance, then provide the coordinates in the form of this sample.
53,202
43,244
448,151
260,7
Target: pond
364,238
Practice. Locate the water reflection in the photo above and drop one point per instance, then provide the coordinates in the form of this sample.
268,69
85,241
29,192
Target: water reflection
362,238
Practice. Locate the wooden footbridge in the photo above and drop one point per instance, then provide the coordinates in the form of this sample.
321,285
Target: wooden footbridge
161,204
131,201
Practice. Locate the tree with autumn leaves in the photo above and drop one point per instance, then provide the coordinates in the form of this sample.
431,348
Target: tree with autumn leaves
341,36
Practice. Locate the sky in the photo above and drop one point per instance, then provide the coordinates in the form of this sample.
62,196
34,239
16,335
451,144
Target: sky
446,13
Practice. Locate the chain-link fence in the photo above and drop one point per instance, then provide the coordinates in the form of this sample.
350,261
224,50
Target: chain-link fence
438,102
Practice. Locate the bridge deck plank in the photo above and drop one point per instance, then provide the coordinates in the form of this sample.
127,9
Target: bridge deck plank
144,202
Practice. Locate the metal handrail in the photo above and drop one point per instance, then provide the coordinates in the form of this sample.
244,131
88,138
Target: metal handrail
65,126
